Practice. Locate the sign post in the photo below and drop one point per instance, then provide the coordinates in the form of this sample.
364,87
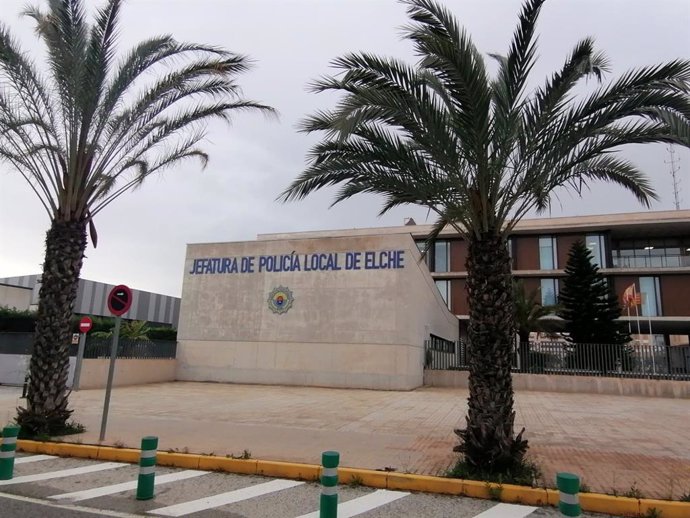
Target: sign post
85,325
119,301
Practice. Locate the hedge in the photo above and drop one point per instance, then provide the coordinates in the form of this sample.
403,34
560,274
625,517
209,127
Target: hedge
15,321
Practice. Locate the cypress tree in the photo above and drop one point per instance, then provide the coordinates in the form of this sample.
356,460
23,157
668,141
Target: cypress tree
591,311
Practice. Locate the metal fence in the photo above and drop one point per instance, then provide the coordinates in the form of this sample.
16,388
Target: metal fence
625,361
149,349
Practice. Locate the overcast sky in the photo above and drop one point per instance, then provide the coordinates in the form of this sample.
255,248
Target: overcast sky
142,236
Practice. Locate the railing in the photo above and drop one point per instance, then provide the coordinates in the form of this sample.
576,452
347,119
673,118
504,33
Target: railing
101,347
624,361
21,344
653,261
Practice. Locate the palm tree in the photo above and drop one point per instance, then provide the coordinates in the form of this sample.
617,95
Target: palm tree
134,330
87,131
481,152
529,316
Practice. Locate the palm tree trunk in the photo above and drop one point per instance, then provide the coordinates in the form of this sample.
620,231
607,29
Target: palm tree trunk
46,411
488,442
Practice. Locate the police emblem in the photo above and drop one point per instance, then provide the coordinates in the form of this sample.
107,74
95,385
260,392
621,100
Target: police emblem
280,300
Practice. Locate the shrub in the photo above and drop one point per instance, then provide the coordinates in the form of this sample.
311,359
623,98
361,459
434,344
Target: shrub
162,333
16,321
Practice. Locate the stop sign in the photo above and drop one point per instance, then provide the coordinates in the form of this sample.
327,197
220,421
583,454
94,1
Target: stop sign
85,325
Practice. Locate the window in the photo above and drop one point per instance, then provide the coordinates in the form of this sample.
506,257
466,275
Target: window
651,253
509,244
651,296
596,243
547,253
549,292
444,290
441,256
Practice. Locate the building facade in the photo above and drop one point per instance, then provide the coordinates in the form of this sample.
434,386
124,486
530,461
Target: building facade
353,308
650,250
157,309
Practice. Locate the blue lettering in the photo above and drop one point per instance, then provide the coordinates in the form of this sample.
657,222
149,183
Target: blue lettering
262,263
332,263
384,260
193,267
370,261
295,264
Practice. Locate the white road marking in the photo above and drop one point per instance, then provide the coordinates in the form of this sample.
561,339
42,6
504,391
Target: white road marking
363,504
77,508
86,494
63,473
507,511
33,458
225,498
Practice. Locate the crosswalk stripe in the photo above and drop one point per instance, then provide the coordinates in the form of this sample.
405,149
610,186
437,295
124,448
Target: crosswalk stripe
33,458
63,473
363,504
96,492
230,497
507,511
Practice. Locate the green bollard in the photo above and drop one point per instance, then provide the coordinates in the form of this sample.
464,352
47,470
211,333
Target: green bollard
147,468
569,487
7,451
329,481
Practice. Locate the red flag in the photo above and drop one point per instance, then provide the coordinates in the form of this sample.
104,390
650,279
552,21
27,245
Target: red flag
629,296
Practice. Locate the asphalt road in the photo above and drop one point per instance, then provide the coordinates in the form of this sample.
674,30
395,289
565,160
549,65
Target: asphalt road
19,507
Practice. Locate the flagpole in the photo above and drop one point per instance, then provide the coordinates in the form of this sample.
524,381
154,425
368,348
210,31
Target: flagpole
637,313
649,322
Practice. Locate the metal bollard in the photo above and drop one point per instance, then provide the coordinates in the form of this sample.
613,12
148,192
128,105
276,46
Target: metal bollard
7,451
569,487
147,468
329,482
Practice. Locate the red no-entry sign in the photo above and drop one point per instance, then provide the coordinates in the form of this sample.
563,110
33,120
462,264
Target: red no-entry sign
85,325
119,300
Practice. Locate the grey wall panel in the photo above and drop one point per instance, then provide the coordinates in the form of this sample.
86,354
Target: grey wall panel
153,307
92,300
84,293
160,315
99,306
144,303
134,310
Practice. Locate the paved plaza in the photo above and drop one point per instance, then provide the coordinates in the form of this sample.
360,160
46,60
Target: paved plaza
615,443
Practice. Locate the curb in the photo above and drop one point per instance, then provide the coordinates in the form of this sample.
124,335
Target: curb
594,502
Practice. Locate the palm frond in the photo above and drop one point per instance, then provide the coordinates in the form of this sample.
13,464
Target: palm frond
78,134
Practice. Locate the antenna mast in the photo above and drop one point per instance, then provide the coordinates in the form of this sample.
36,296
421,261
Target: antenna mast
674,169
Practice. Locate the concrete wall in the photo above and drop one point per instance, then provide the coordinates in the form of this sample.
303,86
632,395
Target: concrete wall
15,297
347,328
13,368
94,372
575,384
